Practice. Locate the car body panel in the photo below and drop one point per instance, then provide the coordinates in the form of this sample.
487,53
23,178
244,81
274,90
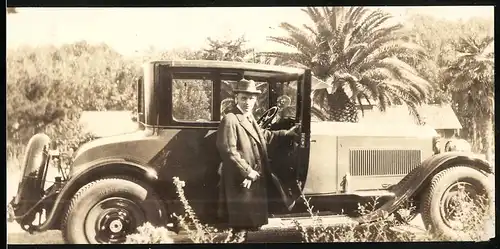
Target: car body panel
375,157
322,173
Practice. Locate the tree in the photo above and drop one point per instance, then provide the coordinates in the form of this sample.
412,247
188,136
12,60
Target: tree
360,55
227,50
440,38
49,85
471,82
437,36
234,50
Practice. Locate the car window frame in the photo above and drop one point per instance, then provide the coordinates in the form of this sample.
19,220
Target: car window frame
216,75
166,113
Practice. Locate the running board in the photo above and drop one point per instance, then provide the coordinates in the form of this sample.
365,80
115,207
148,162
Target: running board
378,193
288,222
366,193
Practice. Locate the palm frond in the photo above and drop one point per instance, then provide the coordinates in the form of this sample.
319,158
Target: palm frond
393,48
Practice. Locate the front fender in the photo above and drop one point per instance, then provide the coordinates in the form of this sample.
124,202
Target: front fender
92,171
419,178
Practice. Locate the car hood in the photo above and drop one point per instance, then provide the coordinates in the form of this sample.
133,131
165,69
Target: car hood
371,130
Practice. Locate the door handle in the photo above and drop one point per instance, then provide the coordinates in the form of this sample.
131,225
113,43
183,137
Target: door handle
313,140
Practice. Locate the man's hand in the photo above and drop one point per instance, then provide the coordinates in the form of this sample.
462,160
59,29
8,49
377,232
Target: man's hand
253,175
294,131
247,183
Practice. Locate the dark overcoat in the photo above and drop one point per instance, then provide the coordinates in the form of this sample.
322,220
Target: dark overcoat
242,147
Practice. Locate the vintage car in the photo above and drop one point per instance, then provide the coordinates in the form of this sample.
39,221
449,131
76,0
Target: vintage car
117,183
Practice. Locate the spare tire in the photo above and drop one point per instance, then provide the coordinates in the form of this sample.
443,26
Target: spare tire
30,188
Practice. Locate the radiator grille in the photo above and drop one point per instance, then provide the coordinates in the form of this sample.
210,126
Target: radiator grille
382,162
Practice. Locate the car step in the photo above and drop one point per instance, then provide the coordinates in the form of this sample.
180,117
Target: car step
288,222
378,193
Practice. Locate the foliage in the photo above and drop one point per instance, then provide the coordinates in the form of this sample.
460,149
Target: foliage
197,232
192,99
437,36
228,50
149,234
358,51
443,40
48,84
471,84
474,221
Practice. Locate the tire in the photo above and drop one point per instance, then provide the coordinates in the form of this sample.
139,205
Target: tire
107,210
437,198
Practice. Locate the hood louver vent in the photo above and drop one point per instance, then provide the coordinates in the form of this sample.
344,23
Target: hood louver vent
364,162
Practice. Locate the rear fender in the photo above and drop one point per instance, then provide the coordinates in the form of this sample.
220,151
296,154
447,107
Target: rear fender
420,178
95,170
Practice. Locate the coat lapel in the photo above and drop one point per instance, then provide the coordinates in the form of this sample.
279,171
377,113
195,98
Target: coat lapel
247,126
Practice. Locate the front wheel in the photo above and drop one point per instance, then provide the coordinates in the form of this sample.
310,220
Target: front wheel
106,211
456,202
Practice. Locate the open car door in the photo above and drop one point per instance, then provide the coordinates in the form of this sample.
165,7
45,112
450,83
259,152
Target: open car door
290,161
304,119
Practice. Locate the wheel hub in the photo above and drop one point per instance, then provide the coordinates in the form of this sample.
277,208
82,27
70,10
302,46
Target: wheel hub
452,200
115,218
115,222
116,226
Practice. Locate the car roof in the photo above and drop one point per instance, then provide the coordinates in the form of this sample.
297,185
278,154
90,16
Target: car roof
230,65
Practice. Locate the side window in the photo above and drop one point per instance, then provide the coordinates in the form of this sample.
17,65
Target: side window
192,100
227,97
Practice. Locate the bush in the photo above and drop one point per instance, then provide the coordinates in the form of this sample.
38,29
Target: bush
381,230
48,87
474,217
149,234
197,232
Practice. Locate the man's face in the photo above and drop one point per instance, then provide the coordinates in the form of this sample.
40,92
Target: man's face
246,101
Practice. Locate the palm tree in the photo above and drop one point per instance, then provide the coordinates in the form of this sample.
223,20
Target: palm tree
359,55
471,81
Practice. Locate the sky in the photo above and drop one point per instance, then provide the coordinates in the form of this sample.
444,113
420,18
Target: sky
133,30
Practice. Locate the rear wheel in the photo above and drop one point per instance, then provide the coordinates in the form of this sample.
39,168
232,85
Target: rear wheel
107,210
456,201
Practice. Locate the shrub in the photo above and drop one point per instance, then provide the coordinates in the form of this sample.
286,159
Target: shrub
197,232
189,222
391,228
381,230
474,218
149,234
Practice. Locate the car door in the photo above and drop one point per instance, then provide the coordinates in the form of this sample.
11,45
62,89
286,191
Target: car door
188,122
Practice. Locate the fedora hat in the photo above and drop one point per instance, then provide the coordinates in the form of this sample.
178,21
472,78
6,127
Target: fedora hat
246,86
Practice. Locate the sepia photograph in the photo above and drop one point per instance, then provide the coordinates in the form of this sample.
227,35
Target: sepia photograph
219,125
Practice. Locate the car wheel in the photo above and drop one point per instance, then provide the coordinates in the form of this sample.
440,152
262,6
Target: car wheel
443,208
107,210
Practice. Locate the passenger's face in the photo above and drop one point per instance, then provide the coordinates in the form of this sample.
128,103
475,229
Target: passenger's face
246,101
